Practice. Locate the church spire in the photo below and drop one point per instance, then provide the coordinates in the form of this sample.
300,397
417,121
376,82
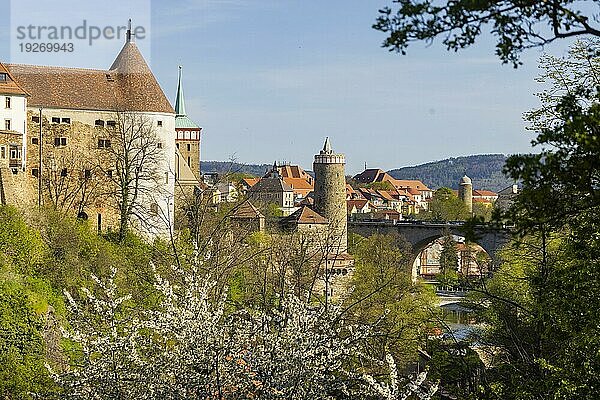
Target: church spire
179,103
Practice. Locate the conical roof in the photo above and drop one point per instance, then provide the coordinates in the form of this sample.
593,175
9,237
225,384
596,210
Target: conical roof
181,119
138,86
179,101
327,147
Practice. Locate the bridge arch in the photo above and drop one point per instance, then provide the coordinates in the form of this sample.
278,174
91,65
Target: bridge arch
420,233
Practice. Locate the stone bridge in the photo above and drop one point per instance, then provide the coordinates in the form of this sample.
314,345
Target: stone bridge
420,233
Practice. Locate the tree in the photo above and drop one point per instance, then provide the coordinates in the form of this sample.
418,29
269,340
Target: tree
385,294
539,301
448,275
445,206
518,25
134,165
189,347
562,76
72,182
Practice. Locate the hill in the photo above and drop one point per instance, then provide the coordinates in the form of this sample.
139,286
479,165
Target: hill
224,167
485,170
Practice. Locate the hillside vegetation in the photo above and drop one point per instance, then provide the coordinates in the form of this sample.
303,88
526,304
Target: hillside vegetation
485,170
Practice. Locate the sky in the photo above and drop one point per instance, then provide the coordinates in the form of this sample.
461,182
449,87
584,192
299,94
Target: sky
268,80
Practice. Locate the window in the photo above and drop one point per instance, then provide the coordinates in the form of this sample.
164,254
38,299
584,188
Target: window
60,141
189,163
111,124
7,124
35,172
159,145
166,177
35,119
63,172
3,152
104,143
66,120
154,209
7,103
159,123
35,140
87,174
177,144
55,120
15,152
189,147
3,77
99,123
109,173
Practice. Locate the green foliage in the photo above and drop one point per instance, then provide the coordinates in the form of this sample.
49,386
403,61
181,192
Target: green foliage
383,285
456,366
22,370
518,25
39,258
542,315
445,206
448,275
272,210
380,186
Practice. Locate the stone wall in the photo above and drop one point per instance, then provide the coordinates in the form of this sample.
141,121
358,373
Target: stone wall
330,201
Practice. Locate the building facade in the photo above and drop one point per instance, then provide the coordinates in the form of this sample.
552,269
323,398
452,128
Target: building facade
78,114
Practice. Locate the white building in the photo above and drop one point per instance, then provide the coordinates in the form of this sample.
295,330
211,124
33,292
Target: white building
96,97
13,116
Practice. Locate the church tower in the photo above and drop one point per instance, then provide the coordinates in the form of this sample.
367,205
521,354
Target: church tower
187,133
330,194
465,192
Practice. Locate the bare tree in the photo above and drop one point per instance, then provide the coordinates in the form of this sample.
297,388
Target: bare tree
71,182
134,166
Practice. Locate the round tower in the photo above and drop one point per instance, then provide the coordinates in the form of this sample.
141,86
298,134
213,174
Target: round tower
465,192
330,194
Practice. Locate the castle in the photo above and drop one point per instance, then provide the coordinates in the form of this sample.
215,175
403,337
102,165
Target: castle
59,134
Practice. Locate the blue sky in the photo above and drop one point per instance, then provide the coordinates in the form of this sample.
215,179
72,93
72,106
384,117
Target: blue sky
268,80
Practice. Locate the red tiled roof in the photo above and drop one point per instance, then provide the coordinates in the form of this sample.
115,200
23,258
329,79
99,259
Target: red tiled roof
414,184
298,183
128,85
246,210
10,86
486,193
293,171
251,181
305,215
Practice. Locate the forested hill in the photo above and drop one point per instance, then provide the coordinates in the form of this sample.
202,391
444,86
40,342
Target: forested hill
225,167
485,170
